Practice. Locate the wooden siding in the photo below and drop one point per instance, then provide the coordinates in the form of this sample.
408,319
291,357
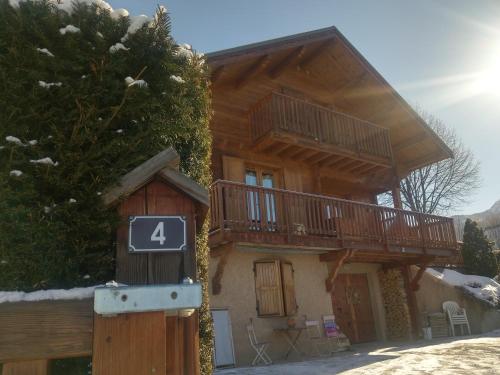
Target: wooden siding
156,198
277,216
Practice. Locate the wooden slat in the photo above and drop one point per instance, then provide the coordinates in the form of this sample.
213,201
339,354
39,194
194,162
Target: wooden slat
38,367
45,329
268,288
130,344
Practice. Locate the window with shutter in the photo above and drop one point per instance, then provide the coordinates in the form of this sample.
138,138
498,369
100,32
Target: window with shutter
268,288
275,288
288,289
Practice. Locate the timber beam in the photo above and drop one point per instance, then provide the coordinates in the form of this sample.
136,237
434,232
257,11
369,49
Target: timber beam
217,73
337,261
279,68
252,71
409,141
414,286
309,59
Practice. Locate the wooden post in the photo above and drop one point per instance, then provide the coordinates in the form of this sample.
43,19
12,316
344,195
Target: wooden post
396,195
152,342
412,302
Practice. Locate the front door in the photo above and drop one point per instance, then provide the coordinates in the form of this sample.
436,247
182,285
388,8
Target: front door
352,307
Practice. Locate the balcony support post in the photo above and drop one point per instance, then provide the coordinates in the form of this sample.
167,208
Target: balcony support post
338,261
396,195
222,254
411,300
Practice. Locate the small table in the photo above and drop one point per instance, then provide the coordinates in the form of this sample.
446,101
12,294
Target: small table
291,335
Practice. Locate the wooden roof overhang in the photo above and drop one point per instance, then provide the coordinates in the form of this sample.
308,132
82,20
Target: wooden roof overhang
323,66
164,166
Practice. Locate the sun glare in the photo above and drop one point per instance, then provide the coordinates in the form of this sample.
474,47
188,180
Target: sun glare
487,81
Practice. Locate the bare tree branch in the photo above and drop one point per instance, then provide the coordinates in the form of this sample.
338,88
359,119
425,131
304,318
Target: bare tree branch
444,186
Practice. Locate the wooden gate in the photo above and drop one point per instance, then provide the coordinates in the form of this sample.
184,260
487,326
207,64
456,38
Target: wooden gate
352,307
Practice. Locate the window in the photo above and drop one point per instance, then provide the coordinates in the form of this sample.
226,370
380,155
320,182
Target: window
257,202
274,288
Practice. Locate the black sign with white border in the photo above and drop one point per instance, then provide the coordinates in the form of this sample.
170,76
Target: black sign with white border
157,233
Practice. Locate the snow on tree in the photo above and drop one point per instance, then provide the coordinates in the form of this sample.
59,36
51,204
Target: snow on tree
86,96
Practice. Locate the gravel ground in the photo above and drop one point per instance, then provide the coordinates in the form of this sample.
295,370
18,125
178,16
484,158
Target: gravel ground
464,355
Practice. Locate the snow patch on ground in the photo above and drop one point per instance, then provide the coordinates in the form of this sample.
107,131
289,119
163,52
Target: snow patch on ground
480,287
468,355
50,294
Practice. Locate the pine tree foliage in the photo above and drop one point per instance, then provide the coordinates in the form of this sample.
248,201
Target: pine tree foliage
477,251
87,94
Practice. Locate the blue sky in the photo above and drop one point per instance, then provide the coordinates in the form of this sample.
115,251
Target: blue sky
429,50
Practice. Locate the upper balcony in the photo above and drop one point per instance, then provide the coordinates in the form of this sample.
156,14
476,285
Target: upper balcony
273,218
308,132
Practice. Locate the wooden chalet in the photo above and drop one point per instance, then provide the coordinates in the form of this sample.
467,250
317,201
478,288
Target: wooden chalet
306,134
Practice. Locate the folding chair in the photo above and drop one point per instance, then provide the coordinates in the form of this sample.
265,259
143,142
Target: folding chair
456,316
259,347
314,335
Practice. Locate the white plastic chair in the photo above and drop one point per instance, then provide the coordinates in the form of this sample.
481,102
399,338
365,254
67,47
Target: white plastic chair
259,347
456,316
314,335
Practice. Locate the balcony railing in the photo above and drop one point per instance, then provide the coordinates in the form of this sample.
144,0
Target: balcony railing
278,112
241,208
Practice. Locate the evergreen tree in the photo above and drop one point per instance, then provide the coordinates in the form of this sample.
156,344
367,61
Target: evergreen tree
87,93
477,251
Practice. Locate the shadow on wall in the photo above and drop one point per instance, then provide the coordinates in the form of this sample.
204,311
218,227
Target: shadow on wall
433,292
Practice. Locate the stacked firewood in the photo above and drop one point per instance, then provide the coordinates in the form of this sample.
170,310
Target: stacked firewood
397,315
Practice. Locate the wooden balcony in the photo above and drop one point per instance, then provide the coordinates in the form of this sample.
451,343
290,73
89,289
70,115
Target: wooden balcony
272,218
284,125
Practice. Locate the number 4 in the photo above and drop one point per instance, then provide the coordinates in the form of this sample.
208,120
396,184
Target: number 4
159,233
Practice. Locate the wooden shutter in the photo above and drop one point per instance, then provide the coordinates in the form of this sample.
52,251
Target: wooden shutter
288,289
268,288
233,169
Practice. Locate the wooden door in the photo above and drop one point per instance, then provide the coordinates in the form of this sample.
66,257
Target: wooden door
352,307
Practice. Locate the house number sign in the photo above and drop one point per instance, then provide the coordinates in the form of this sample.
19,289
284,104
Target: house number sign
156,233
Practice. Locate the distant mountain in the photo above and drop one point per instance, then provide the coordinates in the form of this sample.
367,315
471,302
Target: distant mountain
489,220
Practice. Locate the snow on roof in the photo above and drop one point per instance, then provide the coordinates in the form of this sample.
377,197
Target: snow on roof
50,294
480,287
